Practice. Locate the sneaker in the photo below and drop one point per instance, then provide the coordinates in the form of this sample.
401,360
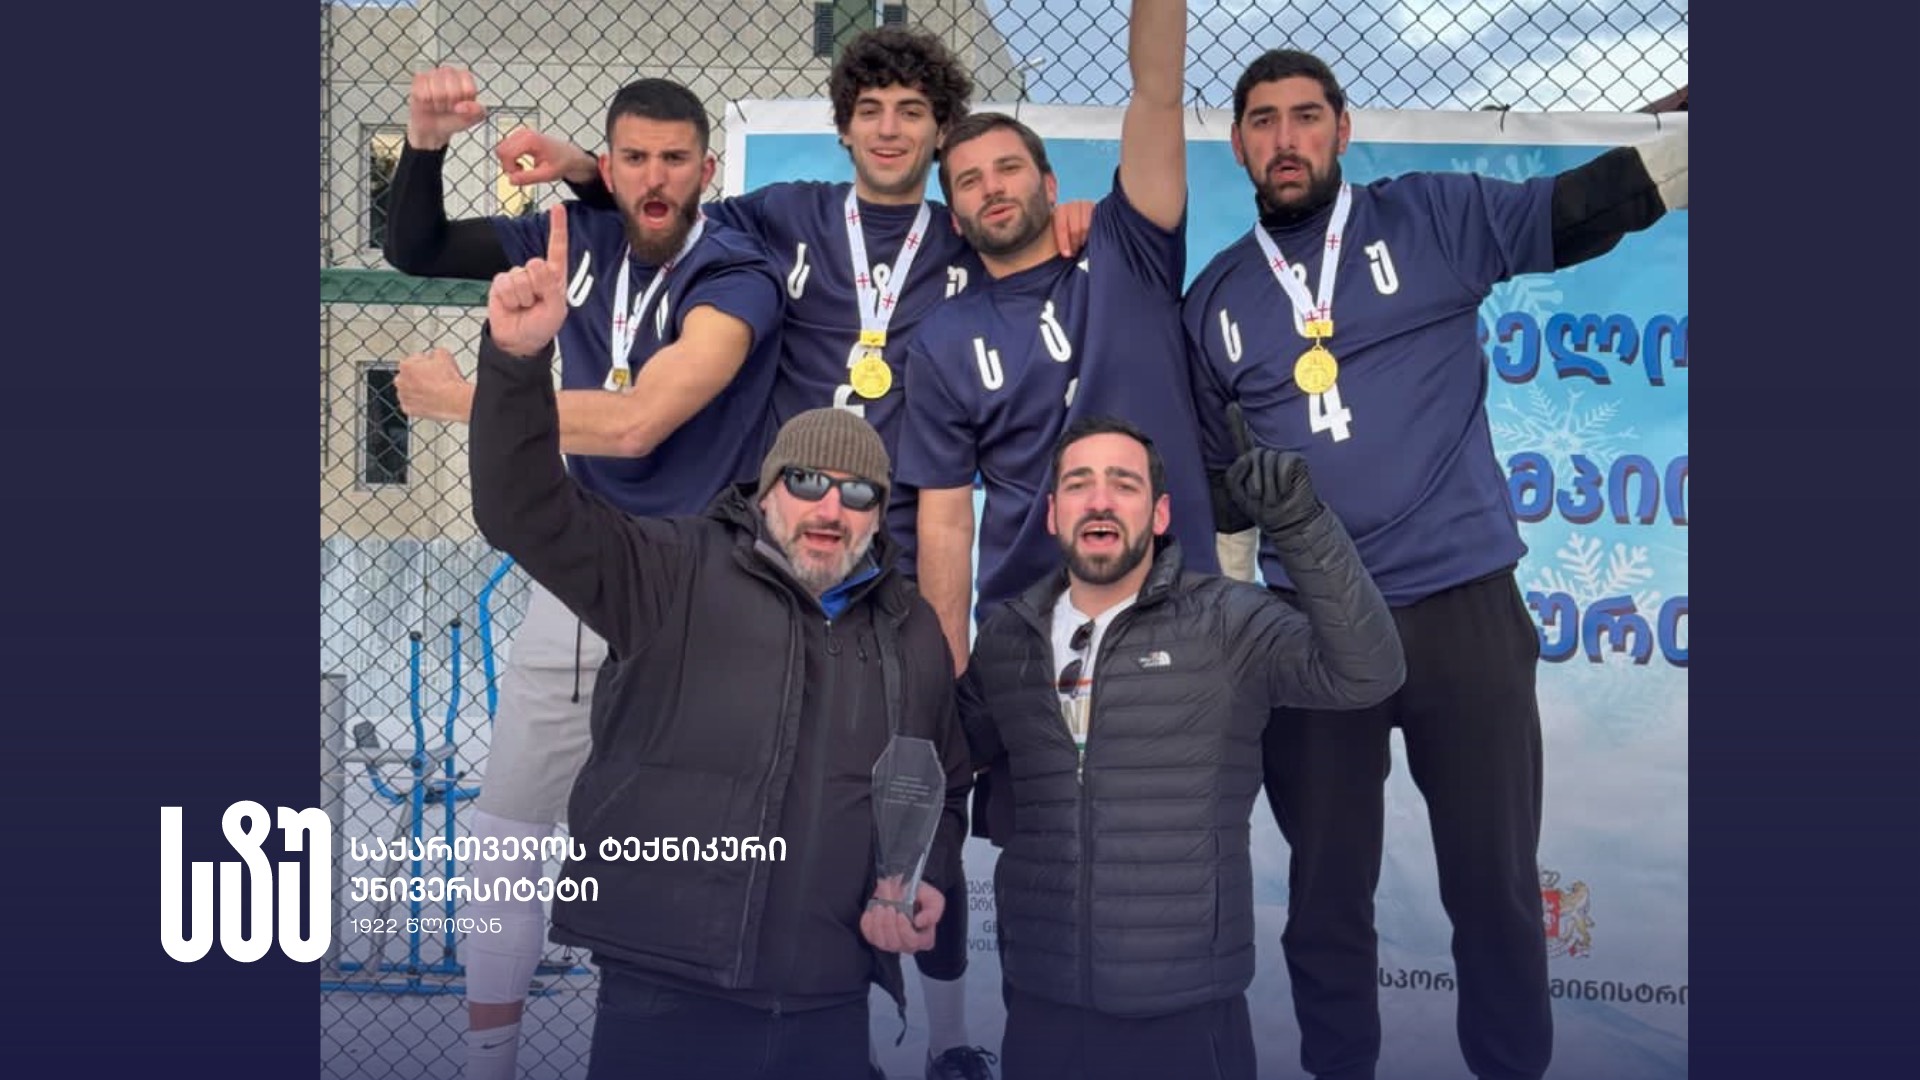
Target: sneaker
963,1063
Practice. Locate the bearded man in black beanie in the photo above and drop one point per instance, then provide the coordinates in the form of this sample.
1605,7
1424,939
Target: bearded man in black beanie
761,657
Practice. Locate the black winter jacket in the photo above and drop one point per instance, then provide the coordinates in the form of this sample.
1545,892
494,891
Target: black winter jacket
1127,887
730,708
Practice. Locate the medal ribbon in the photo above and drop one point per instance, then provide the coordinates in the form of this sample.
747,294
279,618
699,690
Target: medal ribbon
876,308
627,320
1312,318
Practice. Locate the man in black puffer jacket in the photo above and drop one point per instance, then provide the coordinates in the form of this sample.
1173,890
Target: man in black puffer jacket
1129,698
761,656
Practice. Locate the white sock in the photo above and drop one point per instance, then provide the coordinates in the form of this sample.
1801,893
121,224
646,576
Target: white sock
946,1014
493,1053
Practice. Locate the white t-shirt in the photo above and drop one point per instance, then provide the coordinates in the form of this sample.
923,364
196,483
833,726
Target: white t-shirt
1076,701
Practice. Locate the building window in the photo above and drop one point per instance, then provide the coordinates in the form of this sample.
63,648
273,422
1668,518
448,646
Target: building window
384,437
383,156
823,29
852,17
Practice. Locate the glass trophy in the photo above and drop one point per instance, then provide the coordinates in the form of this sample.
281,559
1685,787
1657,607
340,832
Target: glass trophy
909,795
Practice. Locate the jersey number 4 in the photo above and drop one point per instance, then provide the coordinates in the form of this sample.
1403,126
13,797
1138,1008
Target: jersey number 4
1325,413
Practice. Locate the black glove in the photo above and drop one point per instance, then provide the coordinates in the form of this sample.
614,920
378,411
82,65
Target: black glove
1273,487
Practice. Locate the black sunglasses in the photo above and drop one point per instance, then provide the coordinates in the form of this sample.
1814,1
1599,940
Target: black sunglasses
1069,683
812,485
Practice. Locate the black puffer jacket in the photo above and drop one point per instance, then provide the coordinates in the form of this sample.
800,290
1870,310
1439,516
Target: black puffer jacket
1127,888
731,707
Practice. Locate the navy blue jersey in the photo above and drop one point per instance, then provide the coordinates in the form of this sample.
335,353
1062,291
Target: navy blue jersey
996,374
721,444
1399,448
803,225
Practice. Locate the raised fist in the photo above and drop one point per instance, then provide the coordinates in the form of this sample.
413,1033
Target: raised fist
442,103
432,388
527,304
1272,487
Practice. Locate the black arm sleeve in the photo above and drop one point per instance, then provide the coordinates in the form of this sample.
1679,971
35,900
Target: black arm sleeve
1595,204
421,241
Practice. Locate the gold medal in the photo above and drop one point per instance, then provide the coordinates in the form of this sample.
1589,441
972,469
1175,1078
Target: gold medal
871,377
620,378
1315,371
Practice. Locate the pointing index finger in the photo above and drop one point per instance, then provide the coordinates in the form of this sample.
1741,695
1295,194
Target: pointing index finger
1237,424
557,238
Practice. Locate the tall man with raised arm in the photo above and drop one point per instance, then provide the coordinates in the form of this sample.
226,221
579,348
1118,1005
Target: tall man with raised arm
996,374
1344,325
667,364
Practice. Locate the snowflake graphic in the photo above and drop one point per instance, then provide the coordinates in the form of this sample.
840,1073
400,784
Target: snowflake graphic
1559,430
1589,573
1612,692
1537,295
1512,166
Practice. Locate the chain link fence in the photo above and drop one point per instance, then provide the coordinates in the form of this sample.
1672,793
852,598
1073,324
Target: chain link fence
399,557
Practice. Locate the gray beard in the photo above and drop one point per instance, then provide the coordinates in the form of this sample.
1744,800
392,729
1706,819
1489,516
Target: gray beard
815,578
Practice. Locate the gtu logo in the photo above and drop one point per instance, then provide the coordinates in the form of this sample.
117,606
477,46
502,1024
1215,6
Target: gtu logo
246,825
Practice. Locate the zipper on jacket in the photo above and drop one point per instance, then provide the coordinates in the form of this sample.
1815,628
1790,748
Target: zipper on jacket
766,802
1086,810
1086,892
816,781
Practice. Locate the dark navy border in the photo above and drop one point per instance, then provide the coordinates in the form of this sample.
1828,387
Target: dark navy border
1803,543
160,601
161,630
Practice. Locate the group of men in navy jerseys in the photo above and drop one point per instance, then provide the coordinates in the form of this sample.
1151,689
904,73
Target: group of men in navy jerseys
748,514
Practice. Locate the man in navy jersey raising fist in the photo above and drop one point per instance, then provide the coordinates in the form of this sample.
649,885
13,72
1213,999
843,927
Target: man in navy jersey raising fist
667,362
1381,385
